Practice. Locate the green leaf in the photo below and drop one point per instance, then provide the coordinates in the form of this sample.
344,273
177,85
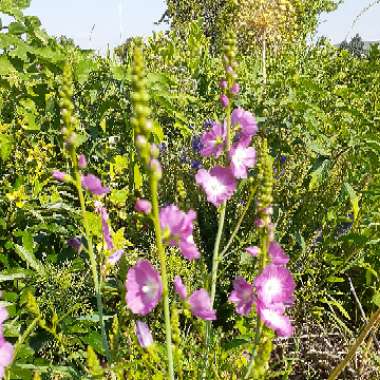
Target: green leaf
119,197
6,146
30,259
319,174
16,28
354,199
376,299
6,67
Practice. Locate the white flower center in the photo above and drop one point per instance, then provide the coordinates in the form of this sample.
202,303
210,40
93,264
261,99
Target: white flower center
215,186
239,156
272,288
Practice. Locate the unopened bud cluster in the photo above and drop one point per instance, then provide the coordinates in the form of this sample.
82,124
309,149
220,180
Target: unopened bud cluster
228,84
141,123
67,108
265,179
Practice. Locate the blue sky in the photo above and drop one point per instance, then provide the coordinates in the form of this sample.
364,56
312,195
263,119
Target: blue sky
96,23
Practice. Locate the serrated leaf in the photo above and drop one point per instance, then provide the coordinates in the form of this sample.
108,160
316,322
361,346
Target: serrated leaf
30,259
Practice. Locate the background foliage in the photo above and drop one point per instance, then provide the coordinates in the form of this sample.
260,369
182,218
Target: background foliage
320,111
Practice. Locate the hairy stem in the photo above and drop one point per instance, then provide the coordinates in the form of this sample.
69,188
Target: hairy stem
162,258
91,254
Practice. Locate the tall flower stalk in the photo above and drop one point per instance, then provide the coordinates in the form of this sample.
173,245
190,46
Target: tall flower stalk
228,85
71,143
149,154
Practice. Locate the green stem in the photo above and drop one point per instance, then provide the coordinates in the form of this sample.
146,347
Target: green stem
236,230
23,337
162,258
259,328
216,257
91,254
373,322
259,323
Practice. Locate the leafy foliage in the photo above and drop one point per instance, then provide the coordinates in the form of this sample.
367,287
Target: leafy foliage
319,111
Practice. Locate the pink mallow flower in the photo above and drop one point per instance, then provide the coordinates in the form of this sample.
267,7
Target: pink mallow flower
143,205
102,211
200,305
274,318
144,336
242,158
242,296
177,227
180,287
6,355
212,141
93,184
253,251
277,254
6,348
275,284
245,124
144,288
219,184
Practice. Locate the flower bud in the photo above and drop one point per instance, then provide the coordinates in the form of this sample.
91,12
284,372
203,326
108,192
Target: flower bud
154,151
82,161
143,206
224,101
235,89
155,167
223,84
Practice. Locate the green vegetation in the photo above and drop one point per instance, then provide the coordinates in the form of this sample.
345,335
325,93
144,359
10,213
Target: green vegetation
317,106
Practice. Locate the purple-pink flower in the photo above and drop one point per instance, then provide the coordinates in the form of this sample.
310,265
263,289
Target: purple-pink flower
144,336
93,184
143,205
245,124
200,305
6,355
242,158
102,211
219,184
242,296
277,254
275,284
115,257
212,141
6,348
180,287
253,251
144,288
177,227
273,317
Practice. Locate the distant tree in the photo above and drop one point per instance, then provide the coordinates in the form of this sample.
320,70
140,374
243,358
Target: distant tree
278,20
356,46
344,45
